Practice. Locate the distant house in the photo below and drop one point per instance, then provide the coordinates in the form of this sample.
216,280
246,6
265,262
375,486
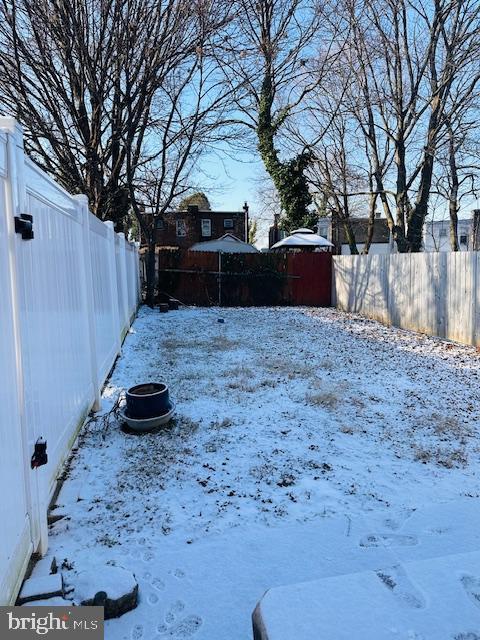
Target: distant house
185,228
436,236
335,232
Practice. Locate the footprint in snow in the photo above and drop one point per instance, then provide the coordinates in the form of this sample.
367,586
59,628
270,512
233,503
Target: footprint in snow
176,608
392,524
472,588
178,573
152,598
388,540
158,584
148,556
137,632
185,628
470,635
399,520
396,579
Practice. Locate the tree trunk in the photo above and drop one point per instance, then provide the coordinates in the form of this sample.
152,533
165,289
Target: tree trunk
417,219
454,225
150,272
401,196
287,176
453,195
372,205
350,235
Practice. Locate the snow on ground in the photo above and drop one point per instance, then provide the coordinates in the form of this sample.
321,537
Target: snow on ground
306,443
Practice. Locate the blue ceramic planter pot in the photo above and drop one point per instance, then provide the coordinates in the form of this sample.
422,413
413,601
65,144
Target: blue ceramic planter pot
148,400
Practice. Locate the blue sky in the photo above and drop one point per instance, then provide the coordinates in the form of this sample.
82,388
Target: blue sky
229,182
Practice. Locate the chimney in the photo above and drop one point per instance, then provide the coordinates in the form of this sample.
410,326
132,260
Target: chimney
245,211
274,231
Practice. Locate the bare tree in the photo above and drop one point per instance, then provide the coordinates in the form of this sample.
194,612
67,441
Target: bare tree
420,51
410,69
348,161
332,174
83,77
189,116
350,154
456,173
274,52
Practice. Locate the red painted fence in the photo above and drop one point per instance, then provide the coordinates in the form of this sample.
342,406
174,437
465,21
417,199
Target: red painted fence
262,279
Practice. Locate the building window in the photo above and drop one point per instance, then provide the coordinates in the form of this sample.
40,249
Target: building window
181,228
206,228
159,224
228,223
323,230
463,239
443,233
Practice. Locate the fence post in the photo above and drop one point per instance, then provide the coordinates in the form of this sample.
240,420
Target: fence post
219,278
474,309
138,280
123,280
113,286
15,197
87,284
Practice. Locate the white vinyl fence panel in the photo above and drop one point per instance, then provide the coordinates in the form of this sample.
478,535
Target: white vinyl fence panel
65,306
16,541
433,293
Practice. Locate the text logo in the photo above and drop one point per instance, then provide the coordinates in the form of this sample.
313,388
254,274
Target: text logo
25,623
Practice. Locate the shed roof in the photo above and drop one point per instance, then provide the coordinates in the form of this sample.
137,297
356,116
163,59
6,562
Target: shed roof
227,243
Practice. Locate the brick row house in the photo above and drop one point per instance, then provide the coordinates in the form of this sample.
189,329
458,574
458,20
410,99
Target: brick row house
185,228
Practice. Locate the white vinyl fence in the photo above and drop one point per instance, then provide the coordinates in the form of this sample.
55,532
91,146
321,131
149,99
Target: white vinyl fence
433,293
67,298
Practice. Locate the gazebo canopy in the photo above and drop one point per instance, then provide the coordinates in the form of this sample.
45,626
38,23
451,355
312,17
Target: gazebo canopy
305,238
303,230
228,243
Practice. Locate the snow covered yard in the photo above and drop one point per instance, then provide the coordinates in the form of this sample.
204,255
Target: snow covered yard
307,443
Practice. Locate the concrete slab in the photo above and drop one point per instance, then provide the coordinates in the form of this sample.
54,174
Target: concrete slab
41,588
51,602
435,599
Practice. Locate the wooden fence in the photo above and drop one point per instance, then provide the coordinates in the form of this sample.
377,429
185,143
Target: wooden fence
433,293
233,279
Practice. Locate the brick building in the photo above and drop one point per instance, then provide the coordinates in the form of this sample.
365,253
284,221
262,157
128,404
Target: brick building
185,228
